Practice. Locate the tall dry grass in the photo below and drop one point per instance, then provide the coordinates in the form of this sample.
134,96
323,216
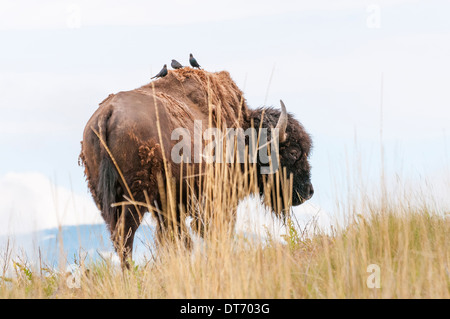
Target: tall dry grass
403,237
409,247
386,247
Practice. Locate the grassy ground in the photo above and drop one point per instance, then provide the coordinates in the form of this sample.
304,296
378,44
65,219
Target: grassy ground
385,247
389,250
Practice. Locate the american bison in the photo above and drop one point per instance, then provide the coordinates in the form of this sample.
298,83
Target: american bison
126,139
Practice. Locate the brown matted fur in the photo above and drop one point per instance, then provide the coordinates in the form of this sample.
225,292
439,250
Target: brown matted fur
123,152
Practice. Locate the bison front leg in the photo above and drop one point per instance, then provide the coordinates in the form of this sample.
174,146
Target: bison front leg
215,224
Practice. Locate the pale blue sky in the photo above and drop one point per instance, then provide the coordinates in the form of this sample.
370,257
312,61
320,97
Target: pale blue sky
59,59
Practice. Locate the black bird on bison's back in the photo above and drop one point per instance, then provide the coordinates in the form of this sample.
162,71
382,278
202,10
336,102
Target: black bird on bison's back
176,65
193,61
161,73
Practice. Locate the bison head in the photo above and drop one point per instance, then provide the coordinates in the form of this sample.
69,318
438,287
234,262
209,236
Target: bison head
294,149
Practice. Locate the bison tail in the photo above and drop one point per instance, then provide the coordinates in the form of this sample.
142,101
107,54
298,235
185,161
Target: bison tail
108,176
107,185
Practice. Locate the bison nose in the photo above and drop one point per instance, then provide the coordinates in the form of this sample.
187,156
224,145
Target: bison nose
310,190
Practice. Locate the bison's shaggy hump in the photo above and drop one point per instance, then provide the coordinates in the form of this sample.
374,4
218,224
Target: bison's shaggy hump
202,90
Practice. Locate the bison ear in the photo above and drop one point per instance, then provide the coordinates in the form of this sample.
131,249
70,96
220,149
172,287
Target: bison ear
282,123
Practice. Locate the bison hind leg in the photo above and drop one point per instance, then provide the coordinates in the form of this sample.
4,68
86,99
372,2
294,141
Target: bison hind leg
123,228
122,221
170,231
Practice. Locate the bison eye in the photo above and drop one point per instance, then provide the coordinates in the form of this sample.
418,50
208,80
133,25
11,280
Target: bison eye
295,153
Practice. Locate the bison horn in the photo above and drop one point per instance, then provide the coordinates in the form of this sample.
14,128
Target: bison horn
282,123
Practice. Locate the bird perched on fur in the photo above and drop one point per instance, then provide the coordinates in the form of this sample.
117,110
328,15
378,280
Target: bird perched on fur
176,65
161,73
193,61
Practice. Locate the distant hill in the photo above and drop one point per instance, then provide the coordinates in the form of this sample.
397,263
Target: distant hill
81,240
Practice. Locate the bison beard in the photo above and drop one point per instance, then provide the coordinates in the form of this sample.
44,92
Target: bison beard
122,149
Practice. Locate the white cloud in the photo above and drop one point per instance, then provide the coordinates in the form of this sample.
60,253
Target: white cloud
31,202
51,104
28,14
344,90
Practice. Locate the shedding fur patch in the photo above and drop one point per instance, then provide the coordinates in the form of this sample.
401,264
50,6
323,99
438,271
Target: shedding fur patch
207,91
